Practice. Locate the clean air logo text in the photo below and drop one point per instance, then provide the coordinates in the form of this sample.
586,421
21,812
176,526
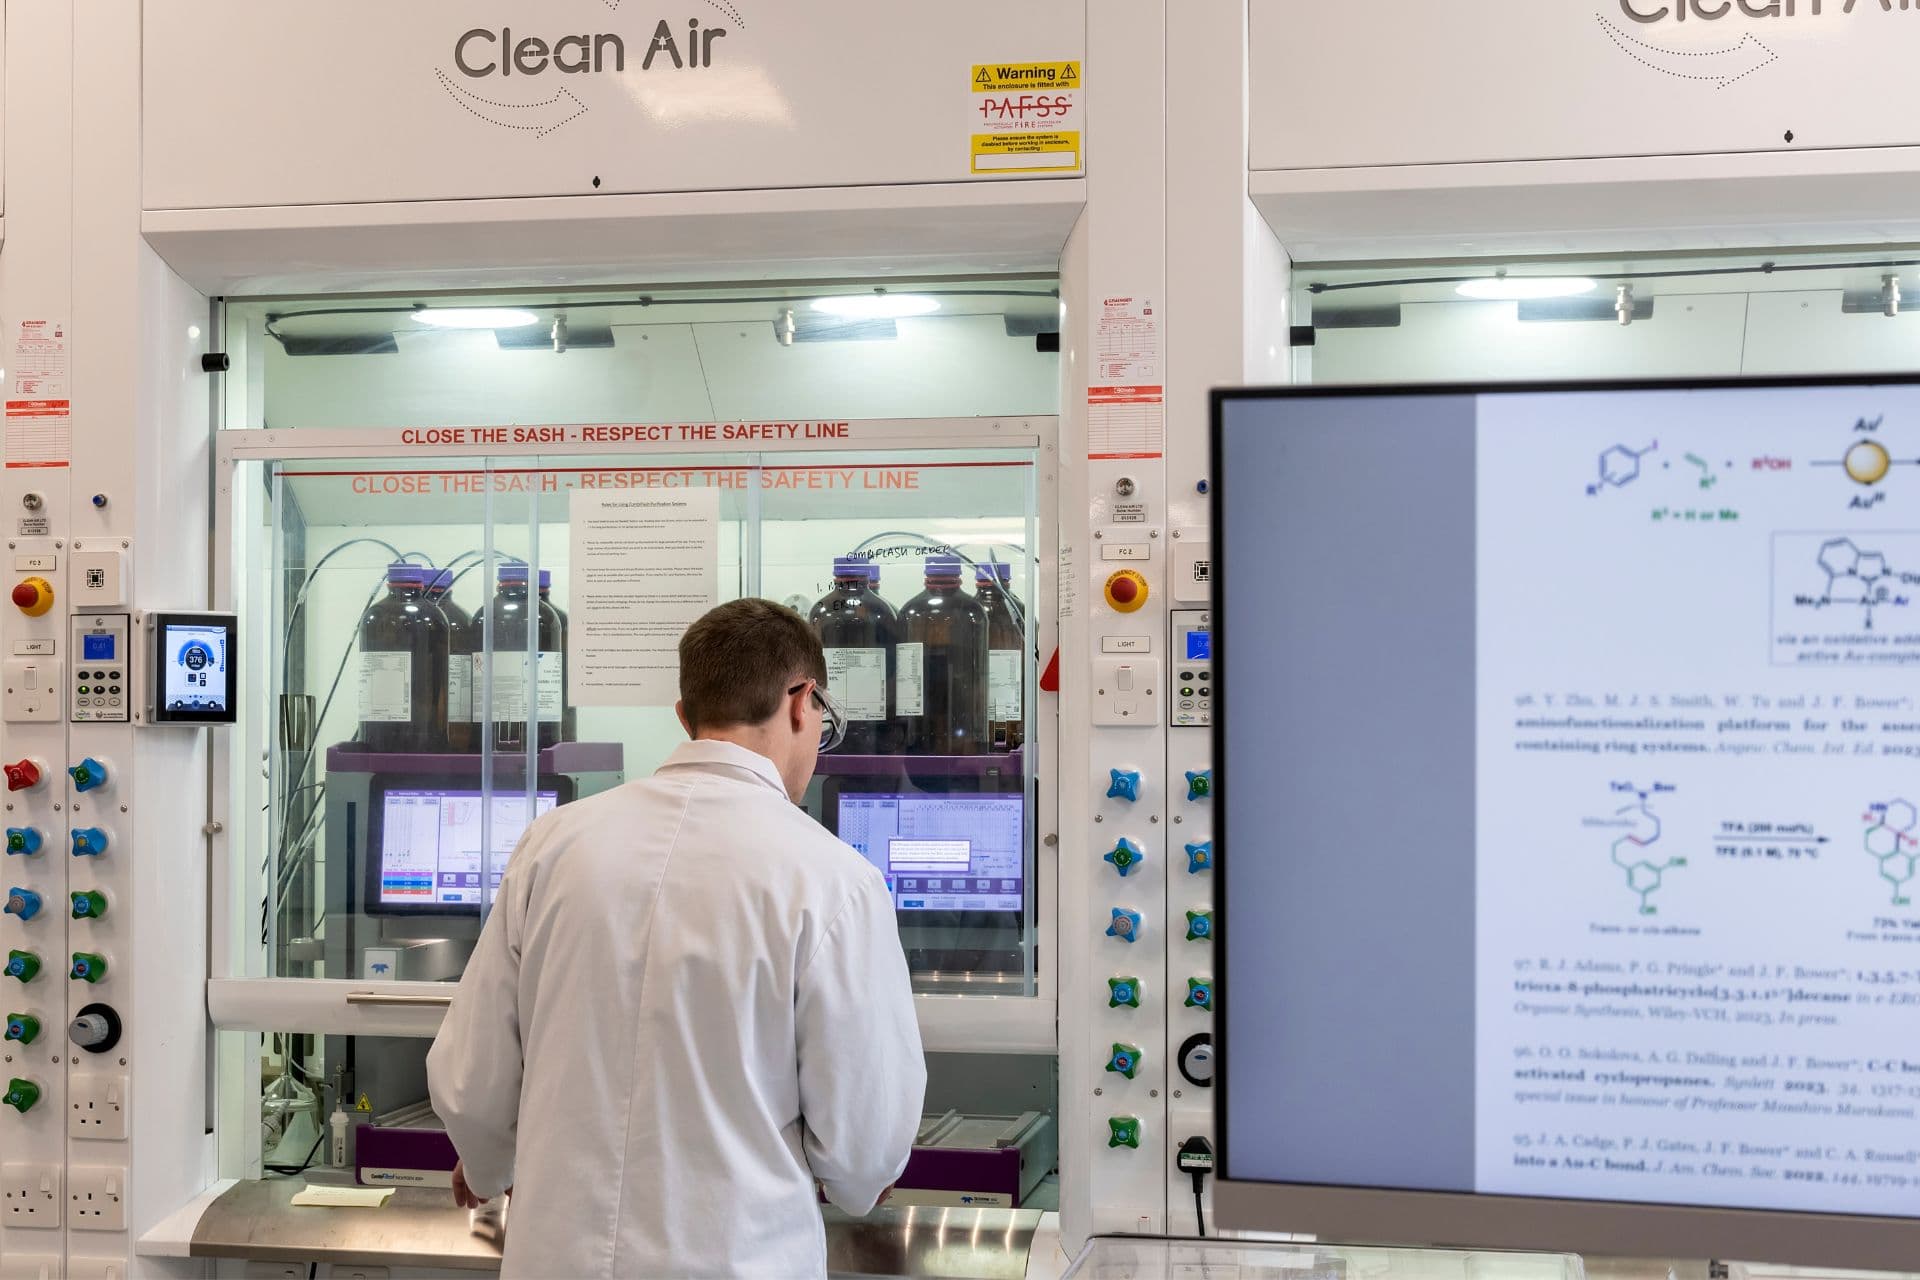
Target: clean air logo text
1680,10
482,52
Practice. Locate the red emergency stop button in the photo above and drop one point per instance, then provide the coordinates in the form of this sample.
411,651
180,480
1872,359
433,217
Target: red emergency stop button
1126,590
24,775
33,596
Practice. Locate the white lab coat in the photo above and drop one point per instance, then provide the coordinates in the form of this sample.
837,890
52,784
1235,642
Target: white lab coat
689,1002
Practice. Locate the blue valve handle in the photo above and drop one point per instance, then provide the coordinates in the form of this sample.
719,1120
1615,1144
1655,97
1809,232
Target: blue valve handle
24,840
89,842
1124,856
24,903
1199,857
1125,926
1125,785
88,774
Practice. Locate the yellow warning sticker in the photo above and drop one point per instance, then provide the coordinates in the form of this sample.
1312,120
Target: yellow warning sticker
1036,152
998,77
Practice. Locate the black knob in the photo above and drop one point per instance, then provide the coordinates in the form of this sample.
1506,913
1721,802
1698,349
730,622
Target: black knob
215,362
1196,1060
96,1028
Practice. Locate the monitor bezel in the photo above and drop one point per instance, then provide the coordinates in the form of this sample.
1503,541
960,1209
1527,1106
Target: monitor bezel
158,625
371,858
1474,1219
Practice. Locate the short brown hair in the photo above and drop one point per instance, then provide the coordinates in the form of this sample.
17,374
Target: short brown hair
738,661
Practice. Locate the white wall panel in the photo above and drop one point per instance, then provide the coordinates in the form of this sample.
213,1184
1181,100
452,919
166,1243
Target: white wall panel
1392,82
356,101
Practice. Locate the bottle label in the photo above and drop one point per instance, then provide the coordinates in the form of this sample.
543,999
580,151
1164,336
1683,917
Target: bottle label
386,688
910,679
857,679
510,687
460,689
1003,685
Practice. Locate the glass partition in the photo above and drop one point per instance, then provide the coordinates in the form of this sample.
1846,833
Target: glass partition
456,644
1659,315
464,534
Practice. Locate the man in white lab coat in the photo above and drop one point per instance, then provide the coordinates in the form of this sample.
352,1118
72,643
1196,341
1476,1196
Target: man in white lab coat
689,1002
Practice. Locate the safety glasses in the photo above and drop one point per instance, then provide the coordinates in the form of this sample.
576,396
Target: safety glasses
833,721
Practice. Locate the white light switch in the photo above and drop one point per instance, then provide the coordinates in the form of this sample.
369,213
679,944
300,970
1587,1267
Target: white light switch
32,690
1127,692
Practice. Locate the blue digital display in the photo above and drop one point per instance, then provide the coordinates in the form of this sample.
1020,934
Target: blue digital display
96,648
1199,646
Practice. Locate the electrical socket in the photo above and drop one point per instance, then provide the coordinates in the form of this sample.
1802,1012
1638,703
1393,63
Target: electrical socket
30,1196
96,1198
97,1269
98,1108
30,1266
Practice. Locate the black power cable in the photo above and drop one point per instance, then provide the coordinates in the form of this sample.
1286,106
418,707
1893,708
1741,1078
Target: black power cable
1196,1161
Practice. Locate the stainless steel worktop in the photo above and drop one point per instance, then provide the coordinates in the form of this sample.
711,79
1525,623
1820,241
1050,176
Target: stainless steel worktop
417,1228
422,1228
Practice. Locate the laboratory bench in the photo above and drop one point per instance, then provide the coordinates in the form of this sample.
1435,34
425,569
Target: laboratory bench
251,1227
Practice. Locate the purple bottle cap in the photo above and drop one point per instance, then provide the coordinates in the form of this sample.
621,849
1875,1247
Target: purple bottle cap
513,573
852,567
441,582
991,572
546,579
873,575
943,566
402,573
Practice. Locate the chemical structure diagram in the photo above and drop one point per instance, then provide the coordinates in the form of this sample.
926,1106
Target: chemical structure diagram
1891,842
1857,577
1644,874
1620,465
1867,462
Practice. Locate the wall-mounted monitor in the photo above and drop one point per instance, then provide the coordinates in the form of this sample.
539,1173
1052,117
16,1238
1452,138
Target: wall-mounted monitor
1568,754
191,667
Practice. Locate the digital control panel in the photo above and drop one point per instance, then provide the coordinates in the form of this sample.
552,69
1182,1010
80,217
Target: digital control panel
100,683
1191,660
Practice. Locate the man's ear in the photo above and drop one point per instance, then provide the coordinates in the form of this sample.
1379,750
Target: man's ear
797,707
680,709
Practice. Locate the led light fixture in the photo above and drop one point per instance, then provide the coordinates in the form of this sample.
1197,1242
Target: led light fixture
476,317
876,306
1524,288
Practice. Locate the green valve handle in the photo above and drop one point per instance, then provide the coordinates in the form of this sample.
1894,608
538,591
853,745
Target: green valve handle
1123,991
1123,1131
1199,926
23,1027
21,1095
88,966
23,966
89,904
1124,1060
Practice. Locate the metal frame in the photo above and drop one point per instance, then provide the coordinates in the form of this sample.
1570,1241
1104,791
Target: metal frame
245,1001
1600,1227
